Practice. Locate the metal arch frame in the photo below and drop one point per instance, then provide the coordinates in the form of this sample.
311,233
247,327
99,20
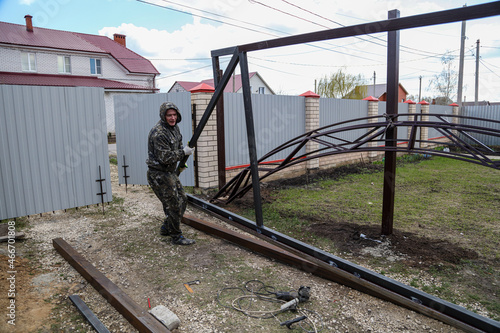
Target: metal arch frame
375,132
392,26
239,185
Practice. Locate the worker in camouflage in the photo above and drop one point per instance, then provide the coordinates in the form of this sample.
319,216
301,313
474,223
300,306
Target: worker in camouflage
164,152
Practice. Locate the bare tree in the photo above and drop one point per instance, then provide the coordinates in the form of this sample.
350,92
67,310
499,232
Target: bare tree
445,83
339,84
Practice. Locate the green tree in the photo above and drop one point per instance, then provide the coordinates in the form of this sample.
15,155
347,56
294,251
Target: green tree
445,83
339,85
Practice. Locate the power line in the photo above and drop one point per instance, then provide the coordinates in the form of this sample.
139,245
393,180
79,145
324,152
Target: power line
235,25
226,17
208,18
482,63
189,71
342,25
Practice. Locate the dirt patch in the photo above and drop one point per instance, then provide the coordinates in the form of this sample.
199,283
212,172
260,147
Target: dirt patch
415,250
30,307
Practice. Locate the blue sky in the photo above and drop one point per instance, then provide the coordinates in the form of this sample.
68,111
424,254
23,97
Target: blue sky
177,36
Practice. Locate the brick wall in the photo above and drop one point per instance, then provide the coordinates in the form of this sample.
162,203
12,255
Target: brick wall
206,147
207,143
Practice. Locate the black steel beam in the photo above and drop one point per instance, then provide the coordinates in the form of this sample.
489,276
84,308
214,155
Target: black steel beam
223,52
221,138
416,21
432,302
391,131
219,90
252,147
88,314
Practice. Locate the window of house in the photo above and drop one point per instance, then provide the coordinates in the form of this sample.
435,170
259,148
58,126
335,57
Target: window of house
261,90
95,66
28,61
64,64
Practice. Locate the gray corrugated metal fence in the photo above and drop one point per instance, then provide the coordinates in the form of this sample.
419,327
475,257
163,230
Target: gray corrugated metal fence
486,112
277,119
52,142
135,115
441,109
332,111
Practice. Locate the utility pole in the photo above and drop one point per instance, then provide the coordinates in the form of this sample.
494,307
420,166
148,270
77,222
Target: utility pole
477,74
461,65
420,89
374,80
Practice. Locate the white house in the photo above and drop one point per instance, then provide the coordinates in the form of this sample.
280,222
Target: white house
37,56
257,85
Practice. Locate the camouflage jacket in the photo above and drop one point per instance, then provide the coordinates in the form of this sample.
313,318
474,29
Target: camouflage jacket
164,147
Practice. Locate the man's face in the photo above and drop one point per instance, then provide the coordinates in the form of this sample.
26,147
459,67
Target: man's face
171,117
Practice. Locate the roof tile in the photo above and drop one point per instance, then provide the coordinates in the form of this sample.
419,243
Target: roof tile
17,34
65,81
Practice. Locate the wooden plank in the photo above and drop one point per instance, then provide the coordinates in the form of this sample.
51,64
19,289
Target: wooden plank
322,270
88,314
138,317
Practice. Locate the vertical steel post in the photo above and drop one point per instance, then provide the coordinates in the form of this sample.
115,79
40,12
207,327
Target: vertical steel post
391,133
219,90
221,138
252,147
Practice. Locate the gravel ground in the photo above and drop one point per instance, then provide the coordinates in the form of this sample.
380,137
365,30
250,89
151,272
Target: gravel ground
124,244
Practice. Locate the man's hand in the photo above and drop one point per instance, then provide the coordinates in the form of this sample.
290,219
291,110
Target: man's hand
188,150
183,168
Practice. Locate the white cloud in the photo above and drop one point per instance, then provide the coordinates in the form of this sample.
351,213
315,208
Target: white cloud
293,69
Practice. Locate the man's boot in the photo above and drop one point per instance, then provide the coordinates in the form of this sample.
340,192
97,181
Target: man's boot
164,230
181,240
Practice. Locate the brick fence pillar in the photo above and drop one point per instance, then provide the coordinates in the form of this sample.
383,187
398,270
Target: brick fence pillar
372,111
206,146
424,131
412,109
312,123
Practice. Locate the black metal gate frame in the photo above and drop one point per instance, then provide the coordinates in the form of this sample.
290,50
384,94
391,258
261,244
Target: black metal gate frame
392,26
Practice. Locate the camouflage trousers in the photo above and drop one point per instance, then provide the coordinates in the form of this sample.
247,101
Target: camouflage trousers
168,188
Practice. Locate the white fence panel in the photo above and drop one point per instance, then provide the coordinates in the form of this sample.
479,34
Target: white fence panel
135,115
52,143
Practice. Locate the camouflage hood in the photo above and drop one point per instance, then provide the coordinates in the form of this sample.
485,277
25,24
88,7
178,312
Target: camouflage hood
165,107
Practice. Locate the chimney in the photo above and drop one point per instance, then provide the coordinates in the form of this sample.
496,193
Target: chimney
120,39
29,24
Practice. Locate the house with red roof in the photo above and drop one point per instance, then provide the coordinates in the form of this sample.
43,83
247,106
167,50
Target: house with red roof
31,55
257,85
377,91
